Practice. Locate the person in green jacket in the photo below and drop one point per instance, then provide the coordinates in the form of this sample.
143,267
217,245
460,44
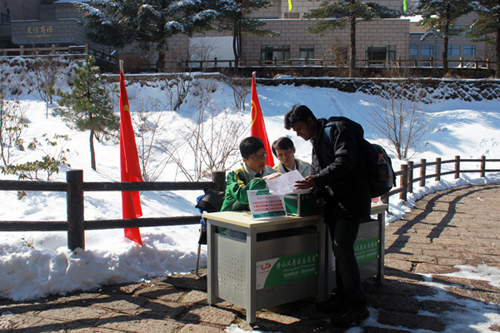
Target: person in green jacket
284,150
250,176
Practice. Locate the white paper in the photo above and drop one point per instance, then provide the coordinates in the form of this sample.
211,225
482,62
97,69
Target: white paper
285,183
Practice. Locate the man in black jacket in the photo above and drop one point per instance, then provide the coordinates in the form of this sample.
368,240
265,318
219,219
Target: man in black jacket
339,174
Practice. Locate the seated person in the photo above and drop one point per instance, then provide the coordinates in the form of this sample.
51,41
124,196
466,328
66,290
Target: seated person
250,176
284,150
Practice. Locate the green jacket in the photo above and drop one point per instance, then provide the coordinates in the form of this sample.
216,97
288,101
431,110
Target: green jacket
239,182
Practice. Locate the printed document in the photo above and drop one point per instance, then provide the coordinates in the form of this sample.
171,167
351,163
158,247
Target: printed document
285,184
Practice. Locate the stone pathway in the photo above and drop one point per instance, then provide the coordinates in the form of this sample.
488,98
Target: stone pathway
460,226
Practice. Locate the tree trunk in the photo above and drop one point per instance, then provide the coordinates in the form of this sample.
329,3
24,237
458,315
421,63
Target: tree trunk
497,70
446,39
160,63
237,45
352,66
92,151
445,55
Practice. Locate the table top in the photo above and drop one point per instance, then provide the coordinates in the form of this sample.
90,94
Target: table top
245,219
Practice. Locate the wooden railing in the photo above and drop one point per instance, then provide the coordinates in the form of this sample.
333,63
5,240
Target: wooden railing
406,174
75,187
305,62
215,64
74,51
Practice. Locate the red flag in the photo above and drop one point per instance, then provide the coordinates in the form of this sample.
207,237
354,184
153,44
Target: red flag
129,165
258,127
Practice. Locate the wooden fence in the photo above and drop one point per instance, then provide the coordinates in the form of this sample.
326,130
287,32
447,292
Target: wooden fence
324,63
75,188
407,179
216,64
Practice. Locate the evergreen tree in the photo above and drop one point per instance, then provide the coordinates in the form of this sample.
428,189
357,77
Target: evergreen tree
440,17
486,28
88,106
339,13
150,23
236,18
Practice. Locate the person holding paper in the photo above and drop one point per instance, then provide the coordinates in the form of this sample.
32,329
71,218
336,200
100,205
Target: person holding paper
340,176
250,176
284,150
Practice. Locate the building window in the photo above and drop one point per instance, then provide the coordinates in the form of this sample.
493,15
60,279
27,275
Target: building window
306,52
469,50
278,52
380,53
413,50
427,50
4,19
453,50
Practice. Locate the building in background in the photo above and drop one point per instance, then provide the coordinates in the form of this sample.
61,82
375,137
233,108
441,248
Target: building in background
57,22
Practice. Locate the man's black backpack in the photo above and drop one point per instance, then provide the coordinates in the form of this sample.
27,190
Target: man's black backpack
379,164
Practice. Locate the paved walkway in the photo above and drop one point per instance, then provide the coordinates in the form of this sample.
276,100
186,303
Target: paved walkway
460,226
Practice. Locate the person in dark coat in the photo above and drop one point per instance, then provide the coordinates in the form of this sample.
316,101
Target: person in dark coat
339,175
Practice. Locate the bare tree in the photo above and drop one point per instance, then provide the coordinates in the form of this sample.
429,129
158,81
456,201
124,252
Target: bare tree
177,90
13,125
213,136
241,88
46,71
338,53
151,123
398,117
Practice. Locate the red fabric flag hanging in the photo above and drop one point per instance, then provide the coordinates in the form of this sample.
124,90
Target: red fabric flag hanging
129,165
258,127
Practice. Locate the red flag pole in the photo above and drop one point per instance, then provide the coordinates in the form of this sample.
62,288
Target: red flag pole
129,163
258,126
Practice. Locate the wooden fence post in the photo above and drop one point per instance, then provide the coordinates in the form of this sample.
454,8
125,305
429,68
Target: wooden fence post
483,166
215,63
410,176
219,179
76,232
423,168
404,182
457,167
438,169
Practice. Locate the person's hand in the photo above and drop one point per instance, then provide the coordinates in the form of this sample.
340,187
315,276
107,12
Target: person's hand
305,184
271,176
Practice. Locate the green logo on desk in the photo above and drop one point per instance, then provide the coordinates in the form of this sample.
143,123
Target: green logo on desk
367,250
278,271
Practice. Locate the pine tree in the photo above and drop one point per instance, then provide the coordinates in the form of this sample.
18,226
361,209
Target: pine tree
88,106
440,17
150,23
236,18
486,28
339,13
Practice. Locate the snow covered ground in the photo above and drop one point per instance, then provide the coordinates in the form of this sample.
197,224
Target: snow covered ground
36,264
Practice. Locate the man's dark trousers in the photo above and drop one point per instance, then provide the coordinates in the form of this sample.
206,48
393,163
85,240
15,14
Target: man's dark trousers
343,233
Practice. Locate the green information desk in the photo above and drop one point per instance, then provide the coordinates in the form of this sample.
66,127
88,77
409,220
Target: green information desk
281,259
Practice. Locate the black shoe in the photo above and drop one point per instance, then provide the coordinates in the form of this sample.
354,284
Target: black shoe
348,316
332,304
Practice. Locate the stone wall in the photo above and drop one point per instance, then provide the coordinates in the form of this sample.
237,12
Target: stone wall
429,88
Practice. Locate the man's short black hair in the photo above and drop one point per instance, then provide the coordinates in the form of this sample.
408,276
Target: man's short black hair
296,114
282,143
250,146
